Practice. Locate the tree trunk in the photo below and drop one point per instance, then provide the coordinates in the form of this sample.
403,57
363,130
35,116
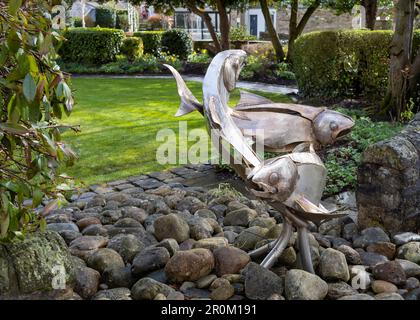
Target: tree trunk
224,25
401,46
82,3
278,49
371,9
295,28
207,21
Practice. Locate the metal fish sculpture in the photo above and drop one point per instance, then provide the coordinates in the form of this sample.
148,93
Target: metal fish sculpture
317,126
292,183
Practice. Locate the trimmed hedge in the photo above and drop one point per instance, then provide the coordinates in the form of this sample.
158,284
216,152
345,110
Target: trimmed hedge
151,40
132,48
91,45
344,63
177,42
106,17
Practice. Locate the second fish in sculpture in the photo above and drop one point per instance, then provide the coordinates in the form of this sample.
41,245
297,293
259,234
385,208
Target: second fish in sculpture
317,126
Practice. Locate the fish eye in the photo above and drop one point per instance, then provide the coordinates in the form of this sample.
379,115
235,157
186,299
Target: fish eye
333,126
274,178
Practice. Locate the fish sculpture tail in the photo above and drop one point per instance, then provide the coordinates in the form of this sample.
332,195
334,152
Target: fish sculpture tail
189,103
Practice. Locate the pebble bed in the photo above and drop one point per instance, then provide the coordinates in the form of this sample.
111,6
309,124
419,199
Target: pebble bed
155,237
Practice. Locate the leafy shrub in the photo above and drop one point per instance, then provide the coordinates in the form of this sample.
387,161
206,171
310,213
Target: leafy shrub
342,162
282,70
345,63
91,45
151,41
122,20
147,63
106,17
33,94
77,23
201,56
132,48
240,33
177,42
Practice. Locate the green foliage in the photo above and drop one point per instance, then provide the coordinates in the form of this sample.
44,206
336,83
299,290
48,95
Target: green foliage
91,45
226,190
342,162
201,56
282,70
106,17
122,20
345,63
146,63
151,41
77,22
240,33
132,48
177,42
34,93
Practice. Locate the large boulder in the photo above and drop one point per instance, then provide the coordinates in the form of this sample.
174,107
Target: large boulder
388,192
35,264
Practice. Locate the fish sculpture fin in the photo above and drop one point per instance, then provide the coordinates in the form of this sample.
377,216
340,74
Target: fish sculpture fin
307,112
189,103
251,99
309,211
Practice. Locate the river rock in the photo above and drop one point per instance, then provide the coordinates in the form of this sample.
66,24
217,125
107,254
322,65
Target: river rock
205,281
127,245
211,243
150,259
103,259
118,277
371,258
222,292
389,296
83,246
190,265
113,294
230,260
411,269
302,285
147,289
200,228
261,283
340,289
380,286
84,222
57,227
263,222
333,265
171,226
95,230
390,271
110,216
192,204
135,213
240,217
385,248
370,236
410,251
405,237
205,213
169,244
86,282
248,238
352,256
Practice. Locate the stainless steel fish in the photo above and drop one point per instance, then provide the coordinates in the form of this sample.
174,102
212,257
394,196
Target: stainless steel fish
278,122
292,183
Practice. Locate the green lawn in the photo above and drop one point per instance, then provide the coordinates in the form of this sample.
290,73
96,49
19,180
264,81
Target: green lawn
119,119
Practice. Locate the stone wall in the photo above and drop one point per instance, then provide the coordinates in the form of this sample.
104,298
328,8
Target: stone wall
388,193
